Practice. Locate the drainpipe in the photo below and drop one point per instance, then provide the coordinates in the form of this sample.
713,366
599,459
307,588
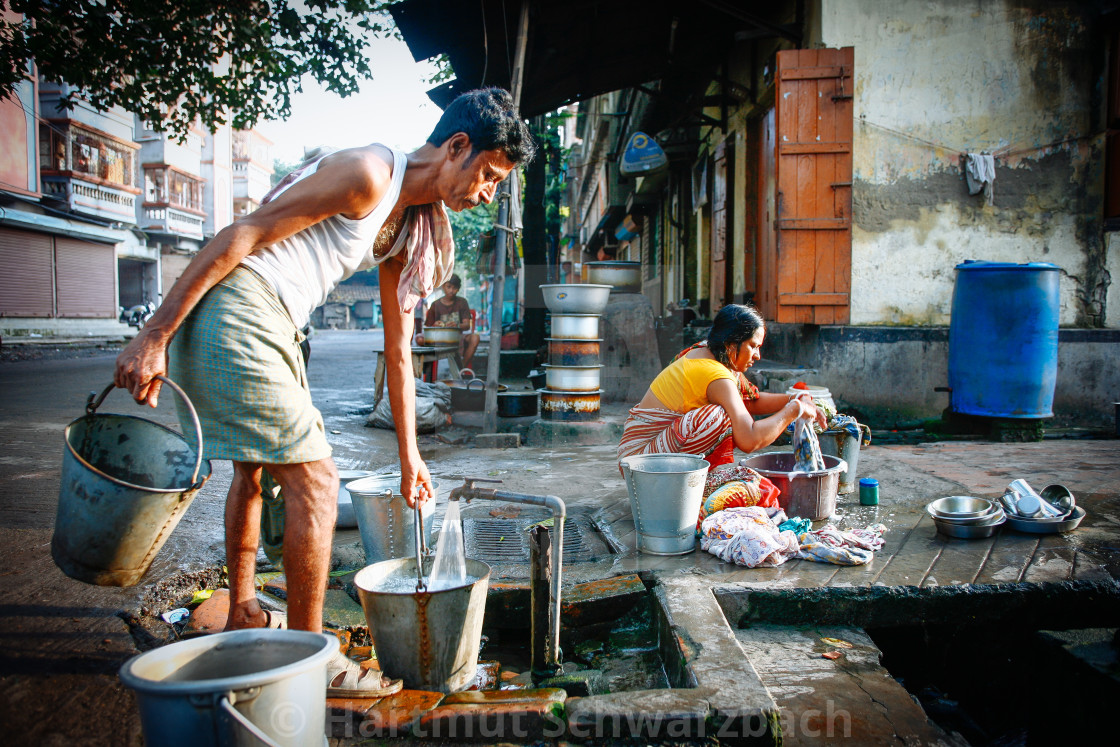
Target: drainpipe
545,650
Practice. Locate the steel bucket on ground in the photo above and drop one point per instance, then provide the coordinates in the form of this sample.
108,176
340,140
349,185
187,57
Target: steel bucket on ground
809,495
244,687
666,491
126,482
385,520
429,639
844,445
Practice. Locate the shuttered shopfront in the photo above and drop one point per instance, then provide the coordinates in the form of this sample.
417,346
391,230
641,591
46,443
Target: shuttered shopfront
53,276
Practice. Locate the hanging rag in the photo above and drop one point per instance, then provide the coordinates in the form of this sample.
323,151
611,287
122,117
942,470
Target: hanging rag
980,173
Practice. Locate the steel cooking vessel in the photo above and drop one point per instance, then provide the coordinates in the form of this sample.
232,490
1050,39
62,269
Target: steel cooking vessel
624,277
575,326
517,404
442,335
572,378
573,352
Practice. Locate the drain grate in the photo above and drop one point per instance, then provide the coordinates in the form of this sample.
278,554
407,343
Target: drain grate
498,532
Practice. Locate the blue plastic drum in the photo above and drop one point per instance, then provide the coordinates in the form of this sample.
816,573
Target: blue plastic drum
1003,339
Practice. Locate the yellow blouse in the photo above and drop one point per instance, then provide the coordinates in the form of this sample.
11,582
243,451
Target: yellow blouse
683,385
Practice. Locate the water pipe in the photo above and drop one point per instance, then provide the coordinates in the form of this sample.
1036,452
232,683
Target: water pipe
470,491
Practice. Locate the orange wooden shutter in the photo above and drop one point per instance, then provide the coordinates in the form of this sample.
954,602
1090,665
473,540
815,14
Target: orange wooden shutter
814,169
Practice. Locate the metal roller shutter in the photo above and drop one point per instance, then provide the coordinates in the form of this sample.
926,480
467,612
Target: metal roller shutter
26,274
86,276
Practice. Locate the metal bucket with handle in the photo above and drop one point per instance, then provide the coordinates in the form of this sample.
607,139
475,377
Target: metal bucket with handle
126,483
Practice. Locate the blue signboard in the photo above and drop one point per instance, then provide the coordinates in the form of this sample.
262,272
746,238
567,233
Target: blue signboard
642,156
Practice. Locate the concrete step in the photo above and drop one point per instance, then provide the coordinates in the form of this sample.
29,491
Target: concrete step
845,697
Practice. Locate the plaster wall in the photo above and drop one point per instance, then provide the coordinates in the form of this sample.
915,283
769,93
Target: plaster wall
938,78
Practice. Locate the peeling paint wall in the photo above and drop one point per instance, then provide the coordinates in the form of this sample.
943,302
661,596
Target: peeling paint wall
938,78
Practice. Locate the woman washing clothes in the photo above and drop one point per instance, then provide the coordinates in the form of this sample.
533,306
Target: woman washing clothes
702,404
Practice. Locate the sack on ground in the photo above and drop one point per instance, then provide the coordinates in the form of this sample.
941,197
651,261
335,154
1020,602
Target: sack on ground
433,409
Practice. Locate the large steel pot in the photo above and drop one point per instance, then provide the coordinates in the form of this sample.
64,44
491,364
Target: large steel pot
517,404
575,326
576,298
572,378
624,277
442,335
469,395
573,352
570,406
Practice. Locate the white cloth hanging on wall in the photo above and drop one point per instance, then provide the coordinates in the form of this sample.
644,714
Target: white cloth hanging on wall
980,173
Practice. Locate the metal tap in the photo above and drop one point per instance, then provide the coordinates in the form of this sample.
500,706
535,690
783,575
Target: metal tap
471,491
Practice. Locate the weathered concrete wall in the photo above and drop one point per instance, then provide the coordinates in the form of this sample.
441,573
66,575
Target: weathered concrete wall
889,373
937,78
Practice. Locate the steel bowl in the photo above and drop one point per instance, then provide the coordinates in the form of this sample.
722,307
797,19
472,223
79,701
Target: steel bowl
1060,497
970,531
442,335
576,298
1034,526
960,507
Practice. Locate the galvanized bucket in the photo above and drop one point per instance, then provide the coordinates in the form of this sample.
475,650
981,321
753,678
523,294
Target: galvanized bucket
385,520
126,483
844,445
244,687
666,491
429,639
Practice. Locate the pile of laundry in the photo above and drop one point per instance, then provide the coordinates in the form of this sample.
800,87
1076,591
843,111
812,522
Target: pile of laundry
758,536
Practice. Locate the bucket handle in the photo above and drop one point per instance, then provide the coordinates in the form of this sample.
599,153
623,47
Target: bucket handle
421,547
226,705
93,402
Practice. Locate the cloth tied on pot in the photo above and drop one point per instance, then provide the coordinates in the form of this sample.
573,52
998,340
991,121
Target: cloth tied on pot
735,486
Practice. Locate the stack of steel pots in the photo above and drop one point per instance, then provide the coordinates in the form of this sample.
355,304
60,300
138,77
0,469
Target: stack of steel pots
571,389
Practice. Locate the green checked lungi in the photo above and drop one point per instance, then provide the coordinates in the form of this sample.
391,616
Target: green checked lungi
237,357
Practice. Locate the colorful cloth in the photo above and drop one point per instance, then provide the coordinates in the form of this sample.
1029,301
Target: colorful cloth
806,449
735,486
829,544
756,536
654,430
748,536
237,357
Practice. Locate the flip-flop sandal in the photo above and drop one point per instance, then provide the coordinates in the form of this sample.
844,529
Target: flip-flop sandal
276,620
347,679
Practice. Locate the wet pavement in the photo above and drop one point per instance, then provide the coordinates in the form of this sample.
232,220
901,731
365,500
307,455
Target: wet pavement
62,641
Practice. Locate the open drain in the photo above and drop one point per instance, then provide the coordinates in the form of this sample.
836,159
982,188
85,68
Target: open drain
498,532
